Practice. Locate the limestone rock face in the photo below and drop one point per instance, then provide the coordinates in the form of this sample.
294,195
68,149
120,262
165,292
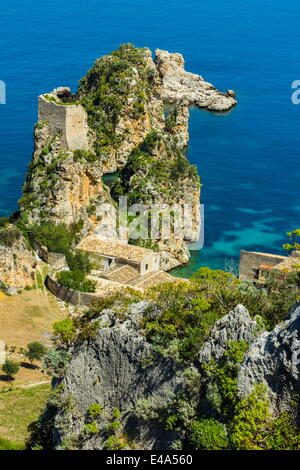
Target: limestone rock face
237,325
17,266
181,85
112,370
62,186
274,360
173,253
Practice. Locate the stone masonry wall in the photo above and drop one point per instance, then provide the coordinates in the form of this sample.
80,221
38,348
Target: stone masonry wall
74,297
249,261
70,121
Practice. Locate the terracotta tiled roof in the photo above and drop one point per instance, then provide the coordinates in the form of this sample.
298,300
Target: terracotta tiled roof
265,267
114,248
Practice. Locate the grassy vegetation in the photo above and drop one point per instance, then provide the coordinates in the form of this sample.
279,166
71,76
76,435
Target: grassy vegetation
28,317
18,409
10,445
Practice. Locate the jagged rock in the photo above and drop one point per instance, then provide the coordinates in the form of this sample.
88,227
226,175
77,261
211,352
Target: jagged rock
74,184
231,93
173,253
112,370
237,325
181,85
274,360
17,266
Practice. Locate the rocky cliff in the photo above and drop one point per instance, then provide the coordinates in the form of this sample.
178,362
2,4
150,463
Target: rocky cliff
180,85
127,106
274,360
17,261
118,369
114,370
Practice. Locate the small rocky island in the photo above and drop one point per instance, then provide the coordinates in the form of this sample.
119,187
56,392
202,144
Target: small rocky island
129,117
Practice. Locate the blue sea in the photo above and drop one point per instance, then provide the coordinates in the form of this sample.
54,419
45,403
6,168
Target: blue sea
248,159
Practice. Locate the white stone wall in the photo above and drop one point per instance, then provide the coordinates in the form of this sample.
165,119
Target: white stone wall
150,263
70,121
76,128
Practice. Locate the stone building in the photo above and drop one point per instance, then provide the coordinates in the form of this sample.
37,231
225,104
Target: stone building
107,253
68,120
255,265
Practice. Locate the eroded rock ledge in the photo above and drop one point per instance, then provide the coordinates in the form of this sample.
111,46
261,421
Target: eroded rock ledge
180,85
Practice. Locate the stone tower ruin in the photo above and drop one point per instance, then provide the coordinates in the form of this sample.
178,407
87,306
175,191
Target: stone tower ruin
68,120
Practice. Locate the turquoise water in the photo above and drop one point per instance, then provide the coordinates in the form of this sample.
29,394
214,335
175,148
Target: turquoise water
248,159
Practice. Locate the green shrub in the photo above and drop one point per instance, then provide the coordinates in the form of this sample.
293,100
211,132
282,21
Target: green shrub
84,155
76,280
208,434
116,413
92,428
35,351
95,410
294,241
222,388
10,368
255,428
4,221
114,426
180,311
78,261
121,302
115,443
65,331
284,434
57,238
56,360
249,425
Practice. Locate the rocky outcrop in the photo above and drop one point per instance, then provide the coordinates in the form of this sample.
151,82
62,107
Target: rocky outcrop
274,360
60,186
17,264
237,325
178,84
115,371
117,367
125,98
